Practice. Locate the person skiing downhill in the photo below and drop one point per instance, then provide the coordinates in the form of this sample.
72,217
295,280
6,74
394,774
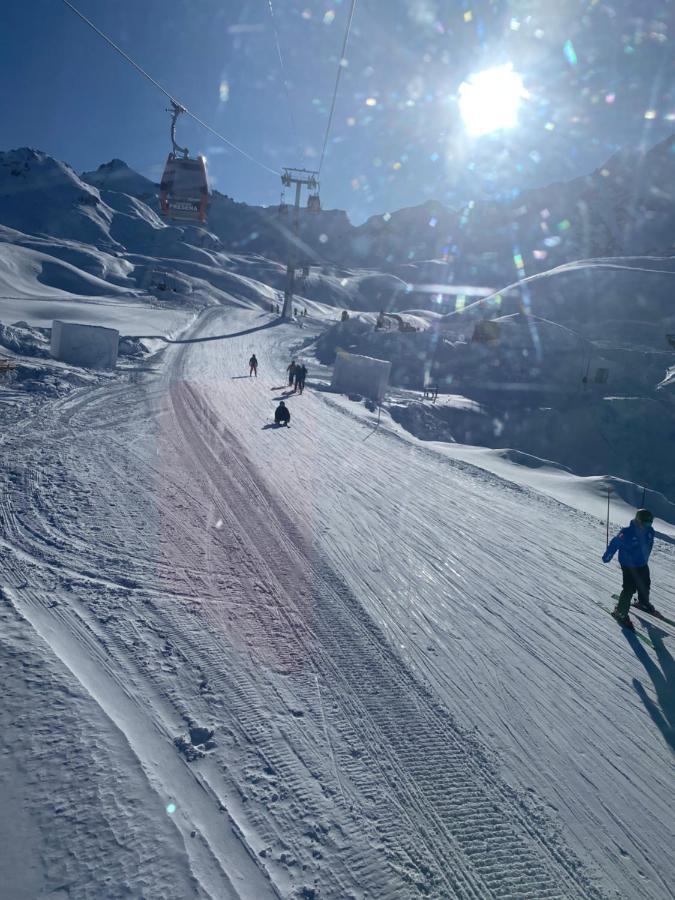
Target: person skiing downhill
291,372
634,544
298,378
253,366
281,414
301,375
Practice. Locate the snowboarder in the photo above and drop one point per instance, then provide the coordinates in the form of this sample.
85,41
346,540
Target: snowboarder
634,544
253,366
281,414
291,372
301,374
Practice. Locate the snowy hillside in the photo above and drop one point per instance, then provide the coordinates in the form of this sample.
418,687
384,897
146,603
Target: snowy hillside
354,658
329,661
100,236
117,176
41,196
625,207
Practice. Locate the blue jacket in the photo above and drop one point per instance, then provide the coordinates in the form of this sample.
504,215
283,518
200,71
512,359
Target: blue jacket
634,545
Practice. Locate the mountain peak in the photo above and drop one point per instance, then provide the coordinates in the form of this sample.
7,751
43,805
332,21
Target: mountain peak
115,165
116,175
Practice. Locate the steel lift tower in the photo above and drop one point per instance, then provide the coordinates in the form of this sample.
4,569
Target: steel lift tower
299,178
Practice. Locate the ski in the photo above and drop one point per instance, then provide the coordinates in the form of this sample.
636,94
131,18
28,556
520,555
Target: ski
638,634
655,615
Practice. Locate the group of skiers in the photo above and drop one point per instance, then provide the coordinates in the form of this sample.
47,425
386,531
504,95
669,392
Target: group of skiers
297,372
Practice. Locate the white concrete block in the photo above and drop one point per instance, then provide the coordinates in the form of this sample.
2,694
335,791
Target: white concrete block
89,346
364,375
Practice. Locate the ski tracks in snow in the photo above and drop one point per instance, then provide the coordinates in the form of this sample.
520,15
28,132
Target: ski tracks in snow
192,596
449,825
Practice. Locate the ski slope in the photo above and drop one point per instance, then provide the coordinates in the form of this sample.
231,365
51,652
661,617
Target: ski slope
411,688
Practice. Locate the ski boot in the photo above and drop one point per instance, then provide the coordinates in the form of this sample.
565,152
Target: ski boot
624,621
646,607
649,608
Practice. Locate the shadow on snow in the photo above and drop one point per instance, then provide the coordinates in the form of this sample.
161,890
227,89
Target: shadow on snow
662,712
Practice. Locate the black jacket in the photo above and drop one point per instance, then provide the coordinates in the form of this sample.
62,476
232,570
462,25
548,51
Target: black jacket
281,414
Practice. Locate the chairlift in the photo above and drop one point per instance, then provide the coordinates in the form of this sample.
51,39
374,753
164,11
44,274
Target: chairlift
184,188
314,203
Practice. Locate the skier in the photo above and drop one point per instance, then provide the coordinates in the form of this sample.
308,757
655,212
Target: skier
302,375
253,366
281,414
298,378
634,544
291,372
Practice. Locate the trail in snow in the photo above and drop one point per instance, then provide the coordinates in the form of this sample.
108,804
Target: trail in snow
343,611
480,584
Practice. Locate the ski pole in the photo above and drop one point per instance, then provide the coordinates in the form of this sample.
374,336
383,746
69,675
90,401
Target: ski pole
609,491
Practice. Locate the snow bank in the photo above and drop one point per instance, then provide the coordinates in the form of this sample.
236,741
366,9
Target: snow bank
23,340
629,437
25,272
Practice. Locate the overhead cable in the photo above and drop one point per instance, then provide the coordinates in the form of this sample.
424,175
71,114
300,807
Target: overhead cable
294,127
165,92
341,64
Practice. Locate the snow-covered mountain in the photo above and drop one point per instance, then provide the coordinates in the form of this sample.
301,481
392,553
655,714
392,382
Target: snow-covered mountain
625,207
41,196
330,661
117,176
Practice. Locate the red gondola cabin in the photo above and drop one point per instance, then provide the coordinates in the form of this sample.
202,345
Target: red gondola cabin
184,189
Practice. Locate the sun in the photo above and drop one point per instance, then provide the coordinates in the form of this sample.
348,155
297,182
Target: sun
489,100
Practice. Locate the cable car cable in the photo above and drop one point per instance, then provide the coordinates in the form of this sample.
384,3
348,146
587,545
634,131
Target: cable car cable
294,127
165,92
337,82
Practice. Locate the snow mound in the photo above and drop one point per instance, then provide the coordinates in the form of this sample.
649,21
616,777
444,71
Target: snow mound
29,273
23,340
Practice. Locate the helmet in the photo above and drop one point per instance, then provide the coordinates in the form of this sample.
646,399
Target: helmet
644,516
281,403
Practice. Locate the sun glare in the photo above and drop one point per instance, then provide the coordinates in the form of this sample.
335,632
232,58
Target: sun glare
489,100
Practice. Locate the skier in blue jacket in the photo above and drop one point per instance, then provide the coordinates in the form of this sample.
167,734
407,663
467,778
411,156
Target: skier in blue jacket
634,544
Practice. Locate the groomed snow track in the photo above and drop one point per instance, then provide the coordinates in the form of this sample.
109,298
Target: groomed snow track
137,533
447,821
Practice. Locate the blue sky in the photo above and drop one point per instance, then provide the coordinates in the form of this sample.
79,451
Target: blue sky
598,76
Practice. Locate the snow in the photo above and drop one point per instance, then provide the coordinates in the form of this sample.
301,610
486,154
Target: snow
333,660
128,317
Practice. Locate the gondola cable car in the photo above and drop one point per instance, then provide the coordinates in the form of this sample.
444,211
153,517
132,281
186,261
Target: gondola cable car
184,188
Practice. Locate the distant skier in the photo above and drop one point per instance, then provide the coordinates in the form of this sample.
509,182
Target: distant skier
281,414
291,372
253,366
298,377
634,544
301,375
